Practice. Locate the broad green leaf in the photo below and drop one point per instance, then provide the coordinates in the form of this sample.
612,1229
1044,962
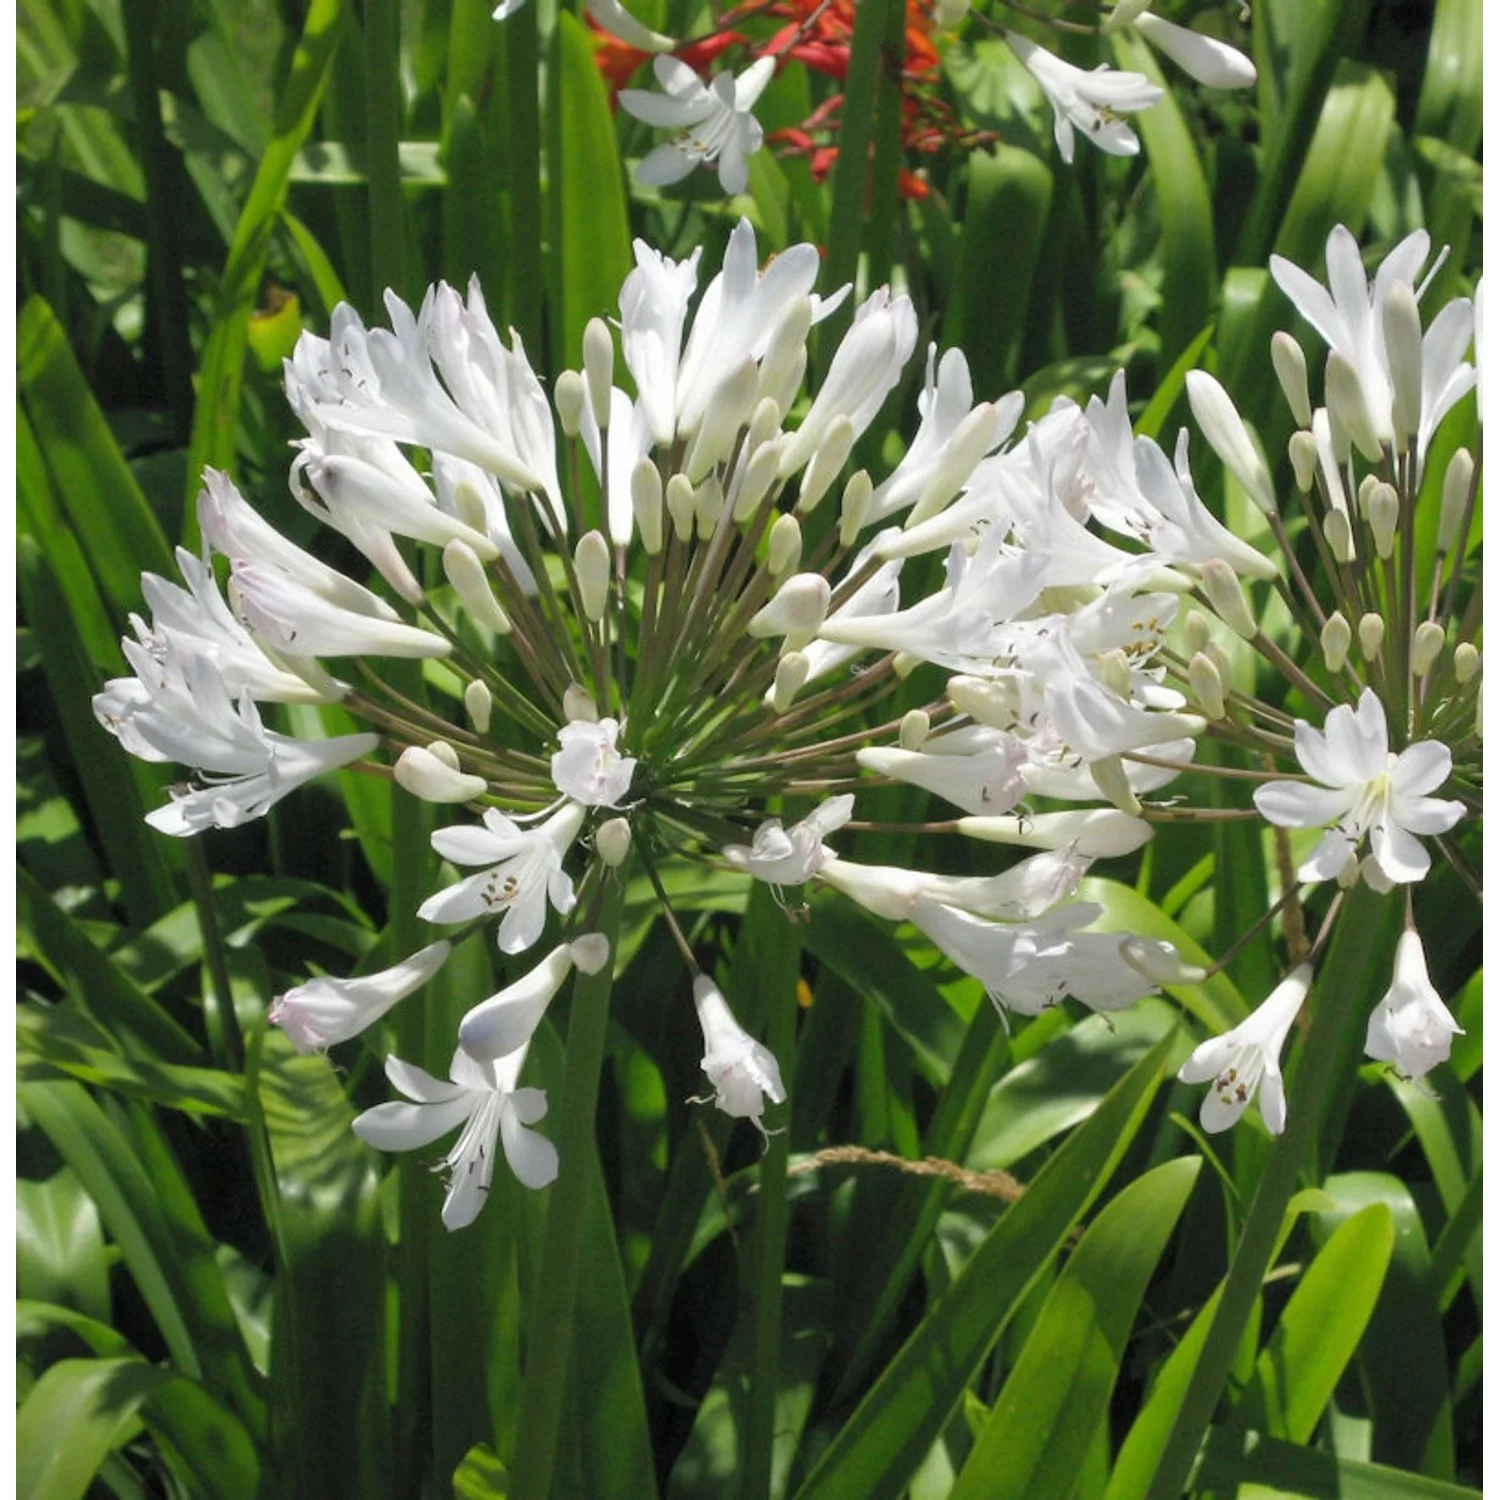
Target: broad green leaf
1058,1391
1320,1327
891,1431
481,1476
76,1413
1169,390
1451,100
60,1254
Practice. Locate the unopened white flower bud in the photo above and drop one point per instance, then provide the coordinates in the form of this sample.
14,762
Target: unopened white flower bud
831,456
791,673
1109,776
1465,660
796,611
1335,638
1403,351
727,411
590,951
680,505
445,753
1456,485
1123,14
973,438
1160,962
784,550
1371,635
1207,686
1196,628
787,347
428,775
855,506
765,424
904,663
1346,398
916,725
1224,593
568,396
612,842
1220,658
472,585
1340,536
1291,370
1384,510
578,704
1228,436
708,506
1362,494
1213,63
760,475
1338,435
645,501
1302,449
479,704
598,368
992,701
1426,646
591,563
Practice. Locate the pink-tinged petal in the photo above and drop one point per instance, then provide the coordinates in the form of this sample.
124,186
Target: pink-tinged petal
1294,804
1312,301
1427,815
417,1083
1421,768
406,1127
1327,861
1399,854
532,1157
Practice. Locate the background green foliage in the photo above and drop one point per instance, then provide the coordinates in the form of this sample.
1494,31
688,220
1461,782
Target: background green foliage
223,1292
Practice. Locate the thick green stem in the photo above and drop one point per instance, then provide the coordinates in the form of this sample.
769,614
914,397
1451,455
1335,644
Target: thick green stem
551,1324
1339,995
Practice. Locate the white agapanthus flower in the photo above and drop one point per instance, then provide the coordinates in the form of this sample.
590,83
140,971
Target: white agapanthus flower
792,856
507,1020
744,1075
1363,790
1090,102
589,768
1248,1059
484,1099
321,1012
716,119
1411,1027
1213,63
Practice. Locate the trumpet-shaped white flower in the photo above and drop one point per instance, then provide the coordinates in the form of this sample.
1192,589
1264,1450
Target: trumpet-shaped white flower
1363,790
1249,1058
524,871
792,856
653,314
1411,1027
484,1099
1213,63
322,1012
588,768
716,117
498,1026
744,1075
1093,102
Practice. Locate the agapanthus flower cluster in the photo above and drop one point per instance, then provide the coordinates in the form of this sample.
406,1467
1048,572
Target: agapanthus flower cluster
707,87
651,659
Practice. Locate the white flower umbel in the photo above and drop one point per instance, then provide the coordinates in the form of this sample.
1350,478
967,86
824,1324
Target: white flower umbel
1091,102
484,1099
588,768
1411,1027
1363,790
716,118
321,1012
524,872
743,1073
792,856
1248,1059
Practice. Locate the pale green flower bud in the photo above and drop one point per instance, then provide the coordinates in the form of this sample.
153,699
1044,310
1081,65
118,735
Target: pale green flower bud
1207,686
728,411
1340,535
598,368
1346,397
1109,776
708,506
445,752
791,673
904,663
591,562
579,705
1465,660
479,704
1226,596
1403,349
1371,636
1456,485
796,611
1426,646
612,842
1362,495
784,551
568,396
680,505
833,453
1302,449
472,585
1335,639
916,725
1291,370
1220,658
760,475
765,423
787,347
1197,629
1384,510
429,775
645,501
855,506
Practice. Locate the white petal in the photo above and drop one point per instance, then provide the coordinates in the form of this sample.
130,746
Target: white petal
1399,854
532,1157
1422,768
1294,804
405,1127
